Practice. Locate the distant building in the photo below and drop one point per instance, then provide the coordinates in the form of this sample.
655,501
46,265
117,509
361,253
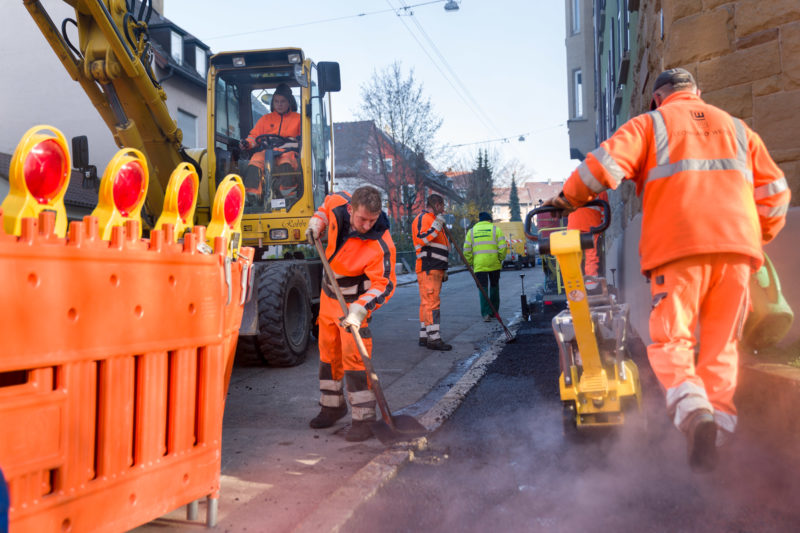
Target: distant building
529,194
364,156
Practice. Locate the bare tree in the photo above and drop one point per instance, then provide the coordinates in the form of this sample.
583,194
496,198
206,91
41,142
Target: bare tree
513,170
406,127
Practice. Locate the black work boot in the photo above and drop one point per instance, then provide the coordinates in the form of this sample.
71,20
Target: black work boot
439,344
701,440
359,430
423,341
327,417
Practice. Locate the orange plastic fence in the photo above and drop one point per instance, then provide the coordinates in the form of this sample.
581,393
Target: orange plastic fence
114,364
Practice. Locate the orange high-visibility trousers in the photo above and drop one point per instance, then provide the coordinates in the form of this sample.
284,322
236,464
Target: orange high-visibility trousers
339,358
430,289
709,290
336,344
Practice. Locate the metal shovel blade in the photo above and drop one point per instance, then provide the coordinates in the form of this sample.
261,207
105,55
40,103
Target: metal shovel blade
405,428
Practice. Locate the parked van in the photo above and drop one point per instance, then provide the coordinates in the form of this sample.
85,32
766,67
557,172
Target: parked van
521,252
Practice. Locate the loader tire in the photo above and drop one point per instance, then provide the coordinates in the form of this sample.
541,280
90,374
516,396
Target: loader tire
284,313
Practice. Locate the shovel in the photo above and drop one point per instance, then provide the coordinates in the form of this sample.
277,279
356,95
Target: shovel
391,428
509,336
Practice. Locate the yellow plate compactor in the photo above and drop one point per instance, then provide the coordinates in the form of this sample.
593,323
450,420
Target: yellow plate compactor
599,384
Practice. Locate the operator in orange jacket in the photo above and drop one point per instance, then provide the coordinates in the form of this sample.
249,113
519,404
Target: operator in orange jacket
584,219
711,197
432,247
362,255
284,121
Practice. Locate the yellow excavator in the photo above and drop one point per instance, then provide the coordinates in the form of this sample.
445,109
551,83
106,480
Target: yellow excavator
599,383
112,61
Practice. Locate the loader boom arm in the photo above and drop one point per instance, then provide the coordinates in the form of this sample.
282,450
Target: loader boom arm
112,66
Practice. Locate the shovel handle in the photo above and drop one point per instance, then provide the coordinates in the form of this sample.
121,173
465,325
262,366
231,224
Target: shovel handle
372,377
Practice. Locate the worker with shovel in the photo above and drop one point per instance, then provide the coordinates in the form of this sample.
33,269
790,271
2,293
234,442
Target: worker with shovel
484,251
361,255
432,248
711,196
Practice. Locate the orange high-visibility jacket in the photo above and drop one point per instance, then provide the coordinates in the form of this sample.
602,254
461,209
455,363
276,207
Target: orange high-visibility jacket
586,218
286,125
430,245
707,182
363,263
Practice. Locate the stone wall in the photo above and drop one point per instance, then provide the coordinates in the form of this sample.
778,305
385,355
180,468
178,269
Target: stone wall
745,55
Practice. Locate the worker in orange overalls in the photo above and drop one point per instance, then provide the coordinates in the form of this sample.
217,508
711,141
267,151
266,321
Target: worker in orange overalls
362,255
283,120
584,219
711,197
432,248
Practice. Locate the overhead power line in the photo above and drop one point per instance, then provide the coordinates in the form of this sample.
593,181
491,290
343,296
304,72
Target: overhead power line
320,21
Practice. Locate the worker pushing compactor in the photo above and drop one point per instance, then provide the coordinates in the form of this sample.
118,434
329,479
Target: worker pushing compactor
361,254
711,197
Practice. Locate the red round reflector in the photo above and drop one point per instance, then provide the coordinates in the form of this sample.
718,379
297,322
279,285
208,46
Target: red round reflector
233,205
45,170
128,186
185,197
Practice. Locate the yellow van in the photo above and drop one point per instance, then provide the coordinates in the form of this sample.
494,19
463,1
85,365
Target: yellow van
521,251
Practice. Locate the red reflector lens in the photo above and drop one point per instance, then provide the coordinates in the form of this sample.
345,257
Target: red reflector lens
128,186
185,197
45,170
547,302
233,204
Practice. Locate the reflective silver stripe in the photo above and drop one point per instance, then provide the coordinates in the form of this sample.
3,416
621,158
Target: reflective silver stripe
477,252
664,168
363,413
684,399
665,171
374,292
321,214
361,397
438,245
440,257
773,211
330,385
611,166
588,178
433,327
331,400
660,136
726,421
770,189
479,243
349,290
741,148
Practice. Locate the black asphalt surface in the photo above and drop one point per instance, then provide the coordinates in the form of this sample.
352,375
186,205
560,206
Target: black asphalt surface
501,463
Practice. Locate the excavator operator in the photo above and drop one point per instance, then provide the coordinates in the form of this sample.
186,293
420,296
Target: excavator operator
362,255
711,197
284,121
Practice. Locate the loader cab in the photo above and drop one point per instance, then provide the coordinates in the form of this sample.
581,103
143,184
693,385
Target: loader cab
287,169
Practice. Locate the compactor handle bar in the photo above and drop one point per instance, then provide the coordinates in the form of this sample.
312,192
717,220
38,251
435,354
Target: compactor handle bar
587,239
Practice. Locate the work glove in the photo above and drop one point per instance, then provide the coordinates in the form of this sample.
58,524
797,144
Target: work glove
244,144
355,316
438,223
316,227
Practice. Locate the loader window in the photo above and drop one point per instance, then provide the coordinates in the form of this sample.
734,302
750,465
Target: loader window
320,142
270,166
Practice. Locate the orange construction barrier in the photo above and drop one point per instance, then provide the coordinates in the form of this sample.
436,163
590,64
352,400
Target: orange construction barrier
115,357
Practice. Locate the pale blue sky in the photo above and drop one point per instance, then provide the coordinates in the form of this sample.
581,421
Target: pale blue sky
503,71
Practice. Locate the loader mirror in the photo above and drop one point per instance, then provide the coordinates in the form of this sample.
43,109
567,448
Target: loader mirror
80,152
329,79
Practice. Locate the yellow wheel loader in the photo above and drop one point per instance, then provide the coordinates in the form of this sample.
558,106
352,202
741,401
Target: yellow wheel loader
112,59
599,384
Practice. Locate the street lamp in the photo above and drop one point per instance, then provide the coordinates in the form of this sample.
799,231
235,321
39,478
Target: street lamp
451,5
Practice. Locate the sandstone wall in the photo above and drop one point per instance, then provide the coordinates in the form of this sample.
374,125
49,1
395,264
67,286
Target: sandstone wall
745,55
